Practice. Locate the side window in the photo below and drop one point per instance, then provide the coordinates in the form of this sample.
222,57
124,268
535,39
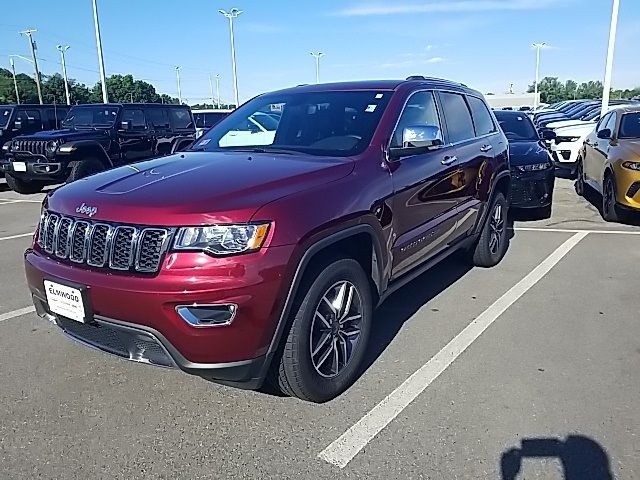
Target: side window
158,117
136,117
420,110
481,117
611,123
602,124
458,117
54,116
28,117
180,118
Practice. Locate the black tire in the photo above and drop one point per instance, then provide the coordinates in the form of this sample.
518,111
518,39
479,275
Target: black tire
579,184
544,212
85,167
609,208
487,253
295,371
24,186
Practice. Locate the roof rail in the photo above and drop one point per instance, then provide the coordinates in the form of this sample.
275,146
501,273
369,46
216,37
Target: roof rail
434,79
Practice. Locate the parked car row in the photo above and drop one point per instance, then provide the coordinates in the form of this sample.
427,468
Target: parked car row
51,144
601,152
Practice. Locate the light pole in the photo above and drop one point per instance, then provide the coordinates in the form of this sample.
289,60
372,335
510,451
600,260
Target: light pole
178,80
609,68
211,91
62,49
32,46
538,47
231,14
103,78
218,90
15,83
317,56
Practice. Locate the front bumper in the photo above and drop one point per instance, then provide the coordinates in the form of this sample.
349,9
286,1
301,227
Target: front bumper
627,187
135,317
38,167
532,189
565,155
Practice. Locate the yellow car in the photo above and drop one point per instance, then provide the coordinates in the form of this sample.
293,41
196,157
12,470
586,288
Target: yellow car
609,162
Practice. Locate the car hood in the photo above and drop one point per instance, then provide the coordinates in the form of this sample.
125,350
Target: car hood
194,188
575,130
632,146
65,134
527,153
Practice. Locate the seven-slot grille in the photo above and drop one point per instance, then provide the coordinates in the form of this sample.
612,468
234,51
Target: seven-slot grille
103,245
31,146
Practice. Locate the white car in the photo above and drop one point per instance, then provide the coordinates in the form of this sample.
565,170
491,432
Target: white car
258,129
567,145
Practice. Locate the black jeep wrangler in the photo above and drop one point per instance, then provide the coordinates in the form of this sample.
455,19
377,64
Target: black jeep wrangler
94,138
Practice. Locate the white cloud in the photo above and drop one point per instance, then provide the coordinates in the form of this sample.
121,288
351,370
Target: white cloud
448,6
435,60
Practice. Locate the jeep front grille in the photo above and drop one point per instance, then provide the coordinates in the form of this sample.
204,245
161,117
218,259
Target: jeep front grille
103,245
37,147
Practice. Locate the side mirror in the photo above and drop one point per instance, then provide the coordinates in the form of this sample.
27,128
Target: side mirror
604,133
125,125
17,125
421,136
548,135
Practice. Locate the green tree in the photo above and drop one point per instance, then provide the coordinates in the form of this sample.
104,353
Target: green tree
551,90
591,89
26,88
570,89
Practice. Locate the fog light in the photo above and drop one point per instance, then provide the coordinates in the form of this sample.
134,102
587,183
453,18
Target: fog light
207,315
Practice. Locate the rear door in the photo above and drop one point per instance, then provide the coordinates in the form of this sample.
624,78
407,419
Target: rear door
135,142
426,190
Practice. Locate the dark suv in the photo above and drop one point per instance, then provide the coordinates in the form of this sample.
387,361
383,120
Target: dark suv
262,255
23,119
94,138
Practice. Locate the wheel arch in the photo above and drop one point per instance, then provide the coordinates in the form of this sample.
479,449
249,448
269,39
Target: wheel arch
86,148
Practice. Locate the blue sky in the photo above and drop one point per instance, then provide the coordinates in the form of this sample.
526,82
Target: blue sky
484,43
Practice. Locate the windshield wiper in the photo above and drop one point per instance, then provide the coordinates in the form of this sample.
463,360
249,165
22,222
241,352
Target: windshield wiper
263,150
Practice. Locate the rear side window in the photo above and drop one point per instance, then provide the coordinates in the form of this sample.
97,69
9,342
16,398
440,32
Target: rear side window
136,117
458,117
28,116
481,117
158,117
180,118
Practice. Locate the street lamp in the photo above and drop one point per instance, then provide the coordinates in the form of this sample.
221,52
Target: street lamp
609,68
15,83
62,49
538,47
32,45
178,80
103,78
218,90
317,56
231,14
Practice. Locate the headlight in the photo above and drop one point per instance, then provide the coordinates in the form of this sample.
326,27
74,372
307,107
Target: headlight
6,147
534,167
566,139
631,165
52,146
222,239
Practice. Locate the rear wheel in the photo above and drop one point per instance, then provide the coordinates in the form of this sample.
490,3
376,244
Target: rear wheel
84,168
579,183
493,241
609,207
327,341
24,186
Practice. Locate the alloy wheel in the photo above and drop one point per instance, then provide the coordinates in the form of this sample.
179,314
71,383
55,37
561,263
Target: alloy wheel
496,224
609,197
335,328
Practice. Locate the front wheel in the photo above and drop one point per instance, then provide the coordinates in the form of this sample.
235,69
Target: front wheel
24,186
84,168
493,241
327,341
579,184
609,207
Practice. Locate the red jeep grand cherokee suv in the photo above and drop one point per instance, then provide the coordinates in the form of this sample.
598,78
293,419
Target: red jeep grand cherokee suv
261,253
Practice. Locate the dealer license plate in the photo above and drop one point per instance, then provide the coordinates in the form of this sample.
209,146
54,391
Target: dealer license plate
65,301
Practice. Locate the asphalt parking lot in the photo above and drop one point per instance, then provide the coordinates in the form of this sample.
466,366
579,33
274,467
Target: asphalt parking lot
530,367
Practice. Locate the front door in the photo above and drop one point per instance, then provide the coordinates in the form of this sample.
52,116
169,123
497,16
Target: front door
426,191
596,150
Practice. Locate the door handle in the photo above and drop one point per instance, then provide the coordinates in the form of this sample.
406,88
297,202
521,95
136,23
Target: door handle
449,160
486,148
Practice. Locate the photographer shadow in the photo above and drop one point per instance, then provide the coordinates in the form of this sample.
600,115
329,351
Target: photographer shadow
581,457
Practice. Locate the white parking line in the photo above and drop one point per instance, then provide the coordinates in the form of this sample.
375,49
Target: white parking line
570,230
341,451
9,201
16,313
21,235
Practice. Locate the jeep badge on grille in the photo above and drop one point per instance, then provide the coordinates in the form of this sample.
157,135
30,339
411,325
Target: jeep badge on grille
87,210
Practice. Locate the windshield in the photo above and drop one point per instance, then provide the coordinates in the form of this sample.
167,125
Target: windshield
338,123
593,116
5,115
630,125
94,116
517,127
